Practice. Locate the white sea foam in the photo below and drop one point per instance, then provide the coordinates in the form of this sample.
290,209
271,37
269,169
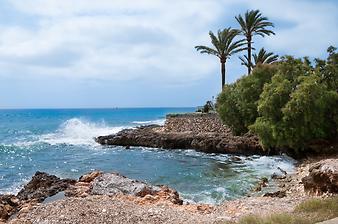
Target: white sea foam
157,121
76,131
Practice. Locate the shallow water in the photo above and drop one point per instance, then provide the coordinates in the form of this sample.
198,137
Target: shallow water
61,142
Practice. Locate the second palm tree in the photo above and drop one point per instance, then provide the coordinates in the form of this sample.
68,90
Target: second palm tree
225,45
253,23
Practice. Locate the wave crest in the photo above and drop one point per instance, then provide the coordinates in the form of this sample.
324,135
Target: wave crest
76,131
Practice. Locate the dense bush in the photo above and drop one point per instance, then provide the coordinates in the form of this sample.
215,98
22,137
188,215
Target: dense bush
287,105
237,104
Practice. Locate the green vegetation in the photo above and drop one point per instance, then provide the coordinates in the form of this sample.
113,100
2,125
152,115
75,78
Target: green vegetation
287,104
237,104
253,23
263,57
225,45
308,212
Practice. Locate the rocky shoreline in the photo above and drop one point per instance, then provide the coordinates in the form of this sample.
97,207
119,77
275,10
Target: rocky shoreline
202,132
100,197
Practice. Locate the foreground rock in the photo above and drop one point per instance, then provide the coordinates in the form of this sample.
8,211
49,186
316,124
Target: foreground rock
201,132
113,184
42,186
8,206
323,177
100,197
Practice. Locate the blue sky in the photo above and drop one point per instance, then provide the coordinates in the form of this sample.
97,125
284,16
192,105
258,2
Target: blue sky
128,53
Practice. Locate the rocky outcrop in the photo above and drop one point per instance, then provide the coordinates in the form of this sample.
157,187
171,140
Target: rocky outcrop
323,177
8,206
42,186
37,190
211,142
114,183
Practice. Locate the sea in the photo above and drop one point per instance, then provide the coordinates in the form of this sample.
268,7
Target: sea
61,142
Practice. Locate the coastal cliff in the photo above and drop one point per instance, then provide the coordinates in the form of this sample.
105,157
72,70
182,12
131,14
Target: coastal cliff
199,131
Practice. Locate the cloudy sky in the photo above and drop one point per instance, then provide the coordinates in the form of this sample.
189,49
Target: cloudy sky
138,53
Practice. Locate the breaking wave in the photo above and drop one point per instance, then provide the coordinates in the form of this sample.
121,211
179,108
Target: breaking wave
78,132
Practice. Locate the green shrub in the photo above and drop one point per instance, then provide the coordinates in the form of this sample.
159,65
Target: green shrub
287,104
295,108
237,104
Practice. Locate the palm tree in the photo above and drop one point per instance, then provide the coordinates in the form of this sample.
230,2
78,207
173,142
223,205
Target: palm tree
224,45
263,57
252,24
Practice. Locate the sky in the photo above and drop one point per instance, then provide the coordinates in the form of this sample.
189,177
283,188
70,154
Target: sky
139,53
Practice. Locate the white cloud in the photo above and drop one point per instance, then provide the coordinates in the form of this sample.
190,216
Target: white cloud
311,25
109,39
148,39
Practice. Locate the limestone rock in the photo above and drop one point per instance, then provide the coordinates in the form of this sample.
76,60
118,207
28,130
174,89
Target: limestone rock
323,177
114,183
42,186
210,142
8,206
90,176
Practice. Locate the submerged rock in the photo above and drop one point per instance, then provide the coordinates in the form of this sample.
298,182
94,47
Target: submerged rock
42,186
262,183
323,177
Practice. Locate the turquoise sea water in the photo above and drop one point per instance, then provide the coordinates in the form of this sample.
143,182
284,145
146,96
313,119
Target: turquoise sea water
60,142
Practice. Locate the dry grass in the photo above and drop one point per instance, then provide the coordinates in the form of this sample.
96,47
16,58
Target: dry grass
308,212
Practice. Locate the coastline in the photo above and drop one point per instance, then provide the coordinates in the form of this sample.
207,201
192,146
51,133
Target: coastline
50,199
160,208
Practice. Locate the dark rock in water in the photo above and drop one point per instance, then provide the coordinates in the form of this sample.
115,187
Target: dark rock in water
323,177
42,186
211,142
262,183
8,206
279,194
114,183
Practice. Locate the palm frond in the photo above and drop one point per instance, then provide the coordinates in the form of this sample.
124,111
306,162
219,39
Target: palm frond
254,23
207,50
224,43
264,57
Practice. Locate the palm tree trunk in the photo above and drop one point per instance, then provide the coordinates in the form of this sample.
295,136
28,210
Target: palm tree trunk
223,74
249,55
